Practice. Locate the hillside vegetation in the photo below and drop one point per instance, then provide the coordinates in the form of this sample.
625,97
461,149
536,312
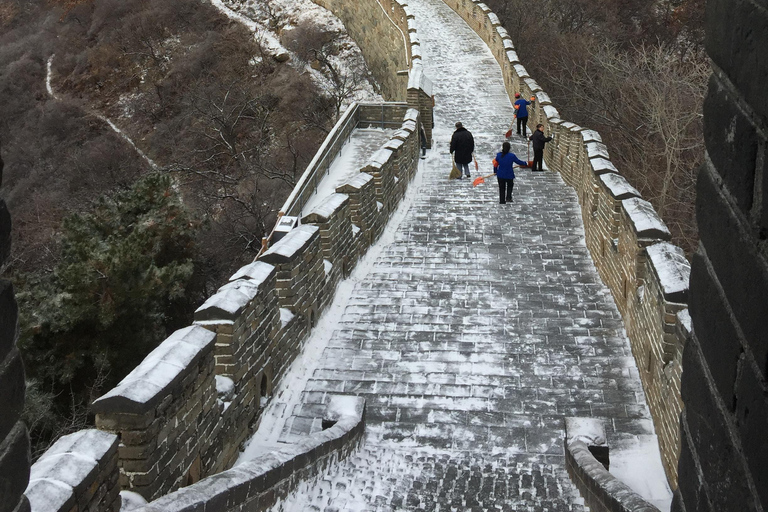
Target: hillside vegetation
115,245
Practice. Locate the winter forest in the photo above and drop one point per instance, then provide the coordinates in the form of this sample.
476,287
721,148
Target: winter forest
147,146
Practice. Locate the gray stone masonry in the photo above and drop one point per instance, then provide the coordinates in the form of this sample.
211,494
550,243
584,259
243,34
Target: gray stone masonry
725,362
335,223
298,258
14,440
254,486
79,472
165,414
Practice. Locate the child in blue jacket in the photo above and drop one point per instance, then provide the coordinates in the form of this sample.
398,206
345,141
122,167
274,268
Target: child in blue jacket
503,168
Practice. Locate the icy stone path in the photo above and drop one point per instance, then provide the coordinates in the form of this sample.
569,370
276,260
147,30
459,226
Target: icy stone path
476,331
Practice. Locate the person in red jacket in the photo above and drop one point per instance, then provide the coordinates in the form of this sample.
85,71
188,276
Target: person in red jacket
503,168
539,140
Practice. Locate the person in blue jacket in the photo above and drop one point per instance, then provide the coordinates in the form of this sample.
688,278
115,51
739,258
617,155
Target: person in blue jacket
503,168
521,105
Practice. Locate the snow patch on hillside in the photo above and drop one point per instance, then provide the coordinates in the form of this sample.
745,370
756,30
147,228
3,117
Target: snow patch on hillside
269,19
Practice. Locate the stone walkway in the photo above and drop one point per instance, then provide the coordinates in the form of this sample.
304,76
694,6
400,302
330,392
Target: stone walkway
478,328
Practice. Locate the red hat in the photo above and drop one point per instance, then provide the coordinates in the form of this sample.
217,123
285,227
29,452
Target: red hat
517,95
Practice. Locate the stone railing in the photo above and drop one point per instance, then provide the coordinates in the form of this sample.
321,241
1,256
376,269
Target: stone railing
256,485
358,115
647,276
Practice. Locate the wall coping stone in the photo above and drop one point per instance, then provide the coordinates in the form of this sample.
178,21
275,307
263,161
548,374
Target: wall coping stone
258,272
533,85
141,389
645,221
229,301
291,245
354,184
591,136
618,186
380,158
417,79
394,144
67,468
601,166
673,270
597,150
551,112
521,71
325,210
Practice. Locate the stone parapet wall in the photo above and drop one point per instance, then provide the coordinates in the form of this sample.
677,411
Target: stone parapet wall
183,413
256,485
78,473
619,228
14,440
725,365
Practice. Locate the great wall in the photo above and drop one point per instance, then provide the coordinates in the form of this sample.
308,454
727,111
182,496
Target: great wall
172,429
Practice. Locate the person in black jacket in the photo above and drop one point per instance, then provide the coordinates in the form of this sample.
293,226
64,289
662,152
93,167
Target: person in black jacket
539,140
462,147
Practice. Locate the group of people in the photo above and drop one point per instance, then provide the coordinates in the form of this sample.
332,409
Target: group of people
463,147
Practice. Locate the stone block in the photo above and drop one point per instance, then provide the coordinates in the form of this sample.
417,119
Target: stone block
731,141
722,464
752,419
12,388
9,315
737,36
726,242
14,467
714,327
5,231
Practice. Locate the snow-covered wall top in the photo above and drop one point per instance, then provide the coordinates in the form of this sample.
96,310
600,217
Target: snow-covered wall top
160,370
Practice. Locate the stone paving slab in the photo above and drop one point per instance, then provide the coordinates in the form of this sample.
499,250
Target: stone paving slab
476,332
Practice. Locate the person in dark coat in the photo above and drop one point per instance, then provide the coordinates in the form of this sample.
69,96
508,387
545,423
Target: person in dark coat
521,105
539,140
462,147
503,168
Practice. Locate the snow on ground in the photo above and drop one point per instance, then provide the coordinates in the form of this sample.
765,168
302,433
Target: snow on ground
270,19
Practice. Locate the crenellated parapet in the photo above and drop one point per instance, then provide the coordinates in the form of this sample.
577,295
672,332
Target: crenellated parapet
627,239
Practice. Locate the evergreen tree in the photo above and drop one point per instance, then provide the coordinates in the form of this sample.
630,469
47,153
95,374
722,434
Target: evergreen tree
117,291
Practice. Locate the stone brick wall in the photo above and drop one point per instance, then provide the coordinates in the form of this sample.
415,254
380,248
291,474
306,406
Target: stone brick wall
725,365
256,485
165,414
14,440
620,227
79,472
